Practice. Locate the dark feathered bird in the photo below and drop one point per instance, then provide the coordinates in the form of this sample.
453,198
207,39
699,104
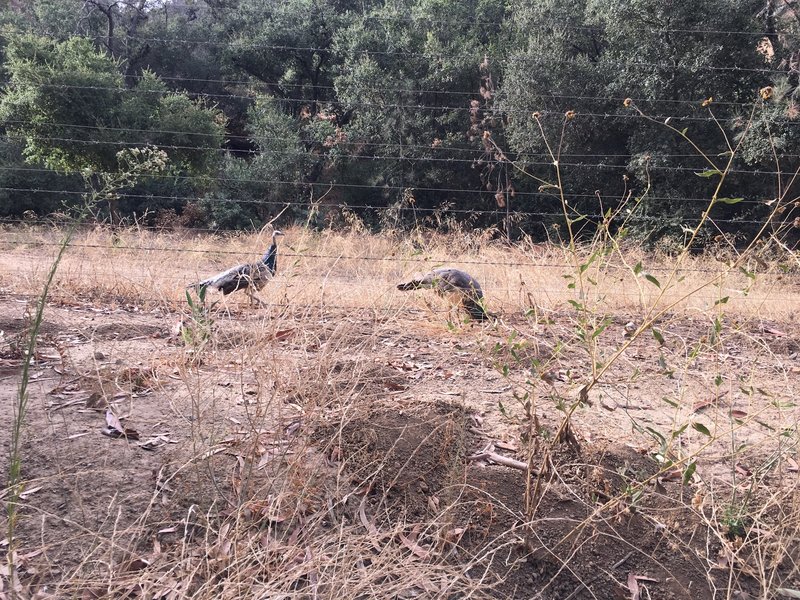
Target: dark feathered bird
459,287
249,277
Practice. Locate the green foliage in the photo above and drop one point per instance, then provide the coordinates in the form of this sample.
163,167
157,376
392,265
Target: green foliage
196,331
388,104
68,105
24,189
587,55
61,101
250,193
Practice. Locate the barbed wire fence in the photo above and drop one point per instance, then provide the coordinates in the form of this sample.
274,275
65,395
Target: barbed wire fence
611,107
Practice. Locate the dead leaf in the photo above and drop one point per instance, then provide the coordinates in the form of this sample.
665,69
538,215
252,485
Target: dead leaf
633,586
674,475
133,565
700,405
370,526
30,492
172,529
410,542
454,535
773,331
510,446
152,443
114,422
608,404
224,542
212,452
738,414
742,470
283,334
115,428
394,387
793,466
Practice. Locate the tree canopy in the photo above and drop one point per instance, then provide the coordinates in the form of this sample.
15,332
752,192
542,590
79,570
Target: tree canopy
433,111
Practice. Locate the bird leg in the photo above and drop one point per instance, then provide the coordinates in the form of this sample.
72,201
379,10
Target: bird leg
255,300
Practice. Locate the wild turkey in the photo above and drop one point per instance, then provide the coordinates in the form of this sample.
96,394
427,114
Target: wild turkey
459,287
249,277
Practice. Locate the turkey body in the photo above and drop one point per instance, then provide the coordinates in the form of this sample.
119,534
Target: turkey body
458,286
247,276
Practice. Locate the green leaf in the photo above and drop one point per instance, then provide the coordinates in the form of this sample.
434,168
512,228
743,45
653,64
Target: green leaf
709,173
576,305
588,263
638,268
722,300
701,428
653,280
747,273
684,130
679,431
730,200
606,322
657,334
689,472
657,435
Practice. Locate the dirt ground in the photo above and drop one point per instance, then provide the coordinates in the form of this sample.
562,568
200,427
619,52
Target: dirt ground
388,425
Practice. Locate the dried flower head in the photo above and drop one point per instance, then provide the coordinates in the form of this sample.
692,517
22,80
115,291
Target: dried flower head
569,115
766,92
627,102
707,101
487,135
537,115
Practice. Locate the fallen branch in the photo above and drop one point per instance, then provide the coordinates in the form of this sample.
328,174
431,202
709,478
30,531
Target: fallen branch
503,460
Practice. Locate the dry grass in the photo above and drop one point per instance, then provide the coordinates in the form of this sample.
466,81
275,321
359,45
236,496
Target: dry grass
359,270
320,447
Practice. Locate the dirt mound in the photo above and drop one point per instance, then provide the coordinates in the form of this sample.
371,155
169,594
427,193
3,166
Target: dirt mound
592,534
21,326
407,456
